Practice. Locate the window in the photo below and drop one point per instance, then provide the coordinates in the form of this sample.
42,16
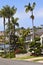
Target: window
28,38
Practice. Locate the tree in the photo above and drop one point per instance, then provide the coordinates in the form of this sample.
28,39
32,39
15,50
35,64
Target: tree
14,23
31,8
9,11
3,14
13,36
21,40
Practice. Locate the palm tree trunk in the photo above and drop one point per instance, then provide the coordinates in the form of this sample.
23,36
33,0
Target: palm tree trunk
9,36
14,36
4,36
33,26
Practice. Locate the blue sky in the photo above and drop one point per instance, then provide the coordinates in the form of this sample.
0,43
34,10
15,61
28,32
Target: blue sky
24,19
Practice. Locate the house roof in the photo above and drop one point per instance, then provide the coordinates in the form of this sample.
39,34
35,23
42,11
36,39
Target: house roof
38,32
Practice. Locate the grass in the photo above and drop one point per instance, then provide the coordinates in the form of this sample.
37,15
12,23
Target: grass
25,57
28,57
38,60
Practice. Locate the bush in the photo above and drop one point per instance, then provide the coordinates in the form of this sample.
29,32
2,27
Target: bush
23,51
35,48
9,55
37,38
12,55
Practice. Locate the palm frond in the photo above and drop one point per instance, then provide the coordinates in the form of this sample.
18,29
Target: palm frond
33,5
17,24
10,11
0,14
14,20
27,10
28,7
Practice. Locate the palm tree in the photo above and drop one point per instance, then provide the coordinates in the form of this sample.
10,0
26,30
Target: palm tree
31,8
13,37
10,11
3,14
14,23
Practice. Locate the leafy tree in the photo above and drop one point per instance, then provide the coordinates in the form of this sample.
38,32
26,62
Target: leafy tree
21,40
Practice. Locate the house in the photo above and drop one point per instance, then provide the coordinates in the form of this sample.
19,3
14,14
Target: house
29,37
39,33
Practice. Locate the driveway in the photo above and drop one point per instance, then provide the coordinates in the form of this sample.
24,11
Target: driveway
17,62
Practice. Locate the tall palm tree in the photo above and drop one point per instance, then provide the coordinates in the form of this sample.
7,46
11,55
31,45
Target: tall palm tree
13,37
2,14
10,11
31,8
14,23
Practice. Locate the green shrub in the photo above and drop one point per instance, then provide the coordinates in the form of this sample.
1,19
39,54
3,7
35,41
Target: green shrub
12,55
37,38
9,55
23,51
35,48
